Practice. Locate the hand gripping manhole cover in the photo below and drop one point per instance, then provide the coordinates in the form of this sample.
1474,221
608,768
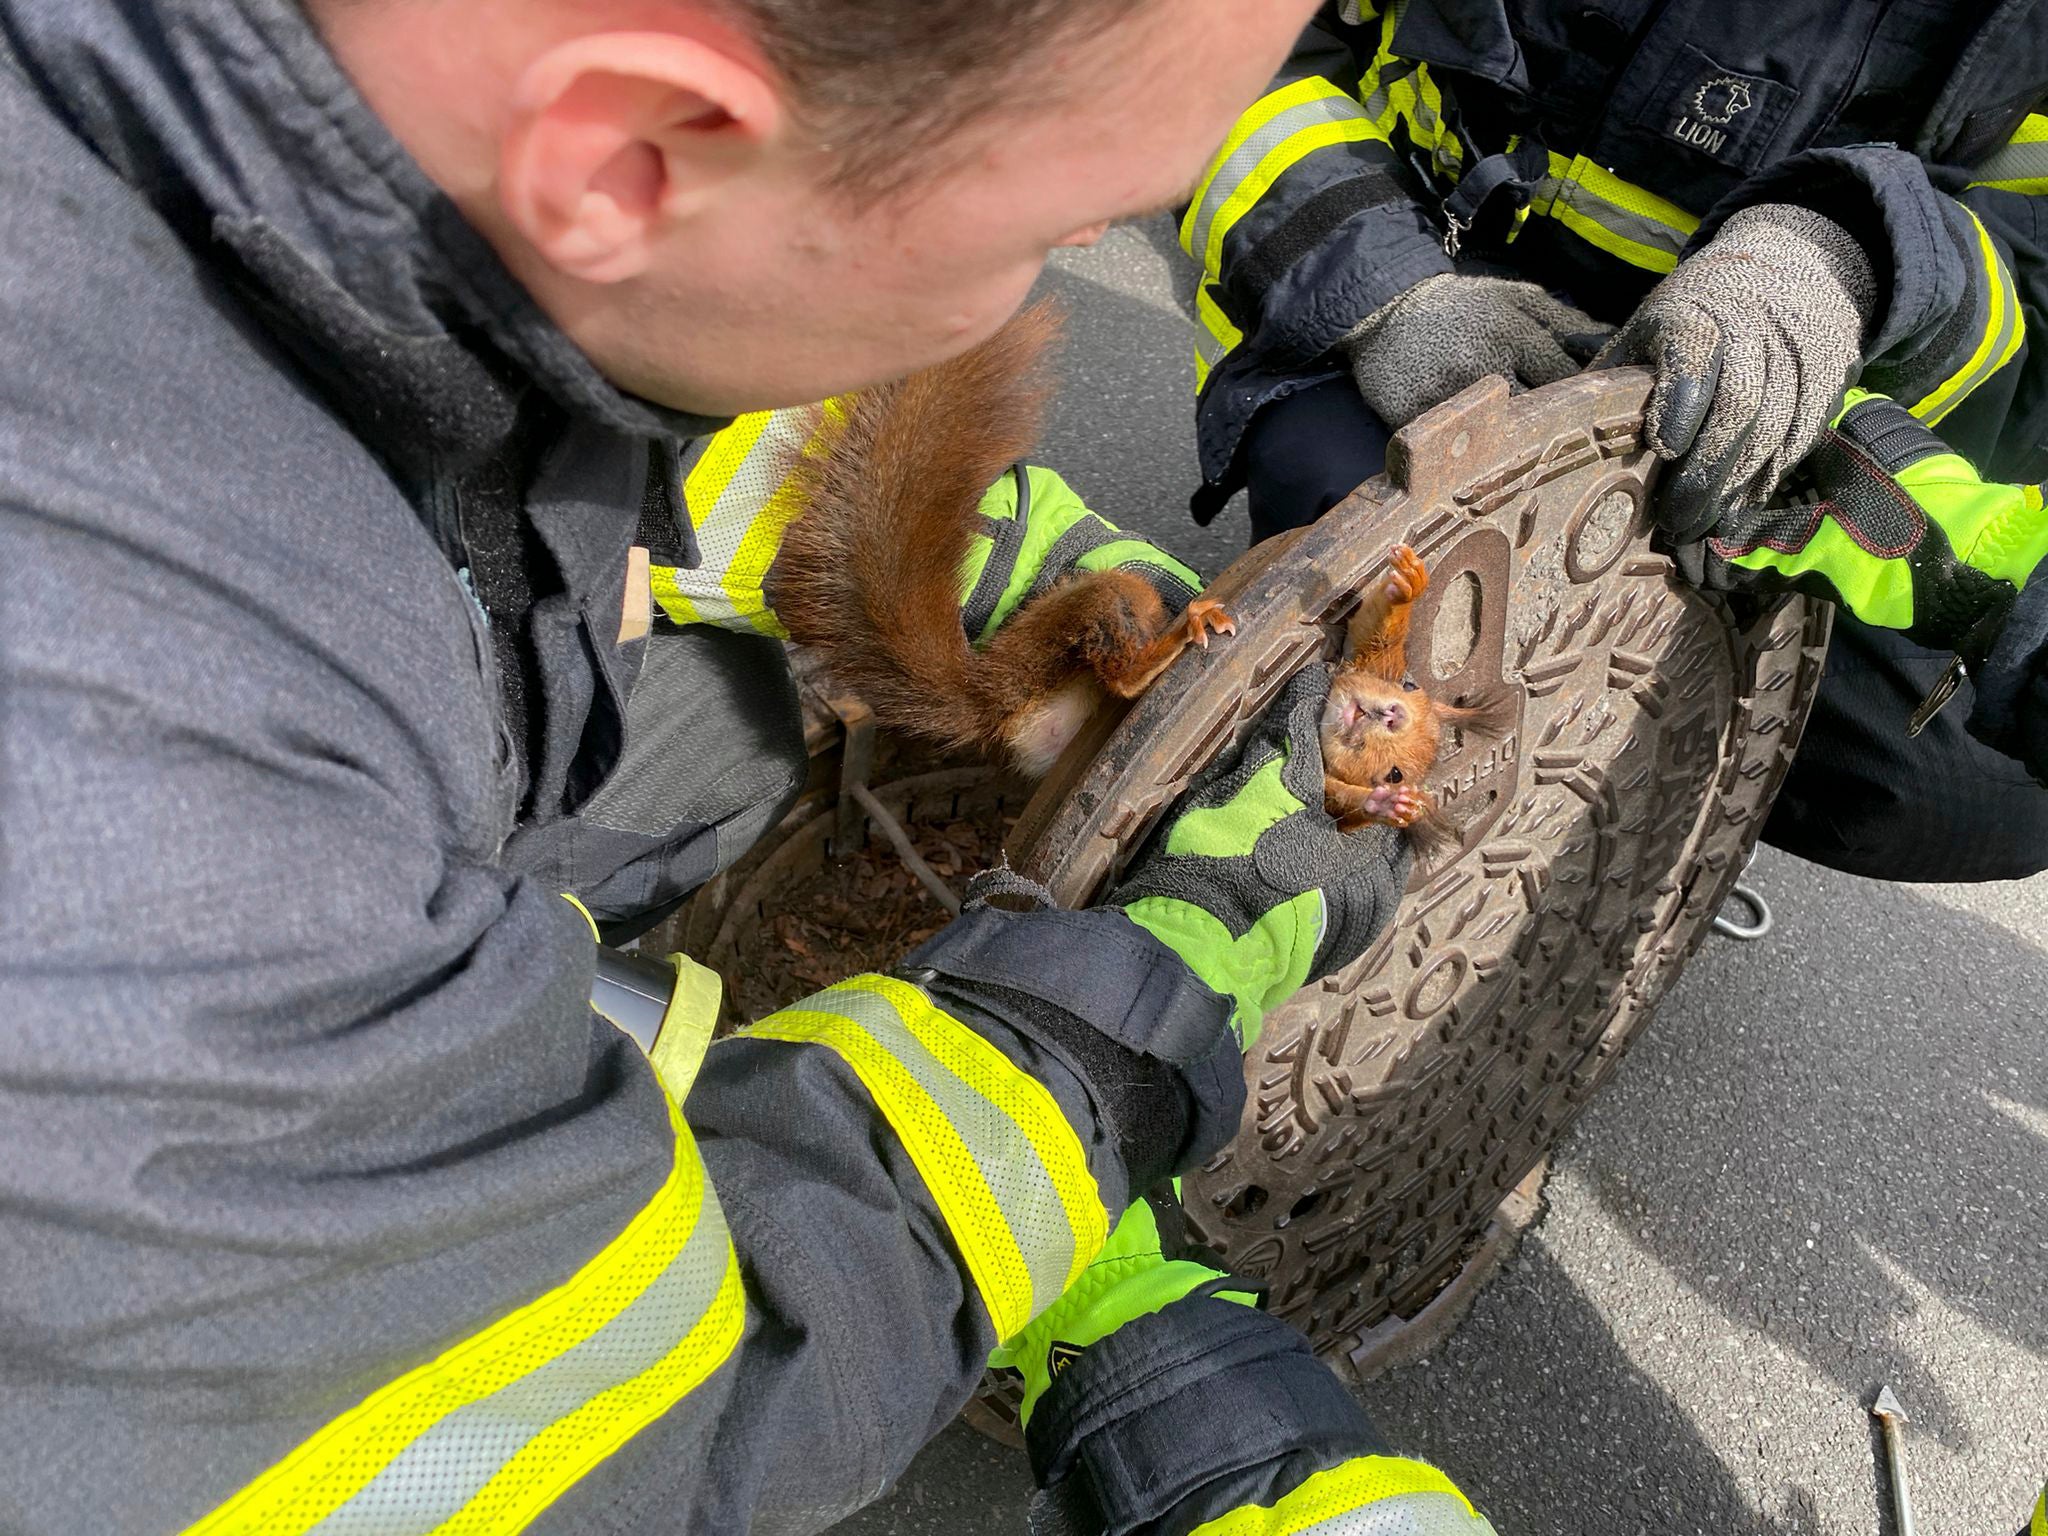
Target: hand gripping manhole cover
1394,1107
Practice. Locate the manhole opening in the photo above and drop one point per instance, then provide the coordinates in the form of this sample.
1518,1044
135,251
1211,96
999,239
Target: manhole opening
1456,630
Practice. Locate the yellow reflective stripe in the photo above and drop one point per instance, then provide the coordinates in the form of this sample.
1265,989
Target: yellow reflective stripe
1393,90
1293,149
664,583
1256,117
1619,217
485,1437
740,501
687,1026
2022,165
1216,336
1007,1173
1366,1496
2005,327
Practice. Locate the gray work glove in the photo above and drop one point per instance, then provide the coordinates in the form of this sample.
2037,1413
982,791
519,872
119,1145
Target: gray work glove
1451,331
1754,339
1248,879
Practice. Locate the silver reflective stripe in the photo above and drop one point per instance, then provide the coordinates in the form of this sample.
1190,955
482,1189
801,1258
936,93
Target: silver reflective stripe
2015,162
1391,73
1576,195
1002,1153
442,1470
1246,158
722,527
1404,1514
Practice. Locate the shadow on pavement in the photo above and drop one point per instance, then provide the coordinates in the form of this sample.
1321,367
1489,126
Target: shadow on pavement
1850,1126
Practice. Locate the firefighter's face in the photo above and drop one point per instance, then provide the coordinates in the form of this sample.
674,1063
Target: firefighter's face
670,211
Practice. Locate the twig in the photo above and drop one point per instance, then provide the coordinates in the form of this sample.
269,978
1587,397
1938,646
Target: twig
900,841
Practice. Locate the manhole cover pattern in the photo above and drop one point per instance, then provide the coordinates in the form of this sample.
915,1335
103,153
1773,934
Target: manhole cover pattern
1393,1107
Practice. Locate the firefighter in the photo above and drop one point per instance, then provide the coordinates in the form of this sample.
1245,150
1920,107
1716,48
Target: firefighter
351,348
1773,202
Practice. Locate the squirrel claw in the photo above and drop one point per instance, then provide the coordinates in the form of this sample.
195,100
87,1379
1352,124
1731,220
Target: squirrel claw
1206,617
1410,577
1393,805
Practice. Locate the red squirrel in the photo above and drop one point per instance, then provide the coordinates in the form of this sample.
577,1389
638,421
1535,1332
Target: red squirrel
869,574
1380,733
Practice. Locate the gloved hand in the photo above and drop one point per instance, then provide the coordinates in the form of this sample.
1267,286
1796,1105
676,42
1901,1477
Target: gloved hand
1249,880
1130,1278
1754,338
1451,330
1892,526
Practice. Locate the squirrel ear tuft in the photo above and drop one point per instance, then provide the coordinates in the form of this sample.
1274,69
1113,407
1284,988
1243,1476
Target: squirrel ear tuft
1491,714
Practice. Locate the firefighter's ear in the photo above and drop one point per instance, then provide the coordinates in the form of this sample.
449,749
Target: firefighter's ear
613,137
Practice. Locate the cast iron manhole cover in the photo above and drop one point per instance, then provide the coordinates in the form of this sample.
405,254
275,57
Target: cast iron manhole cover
1394,1107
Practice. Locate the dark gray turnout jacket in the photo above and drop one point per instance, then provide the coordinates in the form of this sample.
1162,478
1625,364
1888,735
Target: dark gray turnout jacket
326,1202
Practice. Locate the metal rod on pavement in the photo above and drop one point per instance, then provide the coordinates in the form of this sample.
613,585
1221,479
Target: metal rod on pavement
1892,1417
906,850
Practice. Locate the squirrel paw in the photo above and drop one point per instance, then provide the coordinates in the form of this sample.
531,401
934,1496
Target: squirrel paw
1205,618
1388,805
1410,577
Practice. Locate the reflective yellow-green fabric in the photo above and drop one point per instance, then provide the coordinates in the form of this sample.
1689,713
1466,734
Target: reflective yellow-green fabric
1996,528
1619,217
740,499
2005,328
483,1438
1269,962
1367,1496
686,1028
1276,133
1312,116
1130,1278
1055,508
1007,1173
1397,92
2022,165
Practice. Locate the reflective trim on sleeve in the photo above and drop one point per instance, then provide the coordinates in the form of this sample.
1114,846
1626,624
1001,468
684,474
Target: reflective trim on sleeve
739,498
1276,134
1369,1496
1214,337
1007,1173
1285,128
1619,217
2022,165
2005,328
484,1438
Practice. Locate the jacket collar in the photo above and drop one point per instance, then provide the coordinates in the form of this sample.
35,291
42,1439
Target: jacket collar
235,121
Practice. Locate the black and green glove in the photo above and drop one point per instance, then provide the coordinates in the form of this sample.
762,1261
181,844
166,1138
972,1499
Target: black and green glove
1892,526
1131,1277
1248,878
1037,531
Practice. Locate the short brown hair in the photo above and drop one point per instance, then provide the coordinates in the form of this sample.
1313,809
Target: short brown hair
884,80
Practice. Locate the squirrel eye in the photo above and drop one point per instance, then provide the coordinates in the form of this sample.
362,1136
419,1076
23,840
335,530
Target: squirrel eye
1408,684
1393,775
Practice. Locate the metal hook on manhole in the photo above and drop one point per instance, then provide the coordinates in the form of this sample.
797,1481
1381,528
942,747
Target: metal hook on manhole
1762,919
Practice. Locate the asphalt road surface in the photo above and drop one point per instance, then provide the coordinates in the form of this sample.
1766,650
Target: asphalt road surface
1822,1168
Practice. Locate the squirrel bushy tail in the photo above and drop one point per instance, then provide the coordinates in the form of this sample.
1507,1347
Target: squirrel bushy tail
869,574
